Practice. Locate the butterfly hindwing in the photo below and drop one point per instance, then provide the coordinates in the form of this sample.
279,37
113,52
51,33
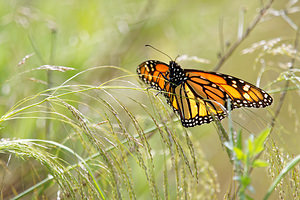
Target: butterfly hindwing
193,108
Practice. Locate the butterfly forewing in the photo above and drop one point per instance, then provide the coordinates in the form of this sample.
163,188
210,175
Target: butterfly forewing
155,73
241,93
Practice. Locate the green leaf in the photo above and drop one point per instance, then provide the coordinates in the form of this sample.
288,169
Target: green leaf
248,197
260,163
239,153
250,145
246,180
260,140
239,142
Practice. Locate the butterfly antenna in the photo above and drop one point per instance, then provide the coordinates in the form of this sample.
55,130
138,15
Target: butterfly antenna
148,45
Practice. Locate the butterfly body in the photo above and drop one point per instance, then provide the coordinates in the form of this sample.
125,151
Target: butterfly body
199,96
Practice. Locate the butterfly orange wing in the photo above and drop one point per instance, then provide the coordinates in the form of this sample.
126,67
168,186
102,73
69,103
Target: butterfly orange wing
198,101
202,97
155,73
240,92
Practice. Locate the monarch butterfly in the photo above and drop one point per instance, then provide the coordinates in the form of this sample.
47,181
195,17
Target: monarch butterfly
199,96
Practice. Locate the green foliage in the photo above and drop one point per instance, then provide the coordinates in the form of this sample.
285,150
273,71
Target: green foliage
245,159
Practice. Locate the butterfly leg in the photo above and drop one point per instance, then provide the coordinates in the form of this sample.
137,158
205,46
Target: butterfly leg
159,92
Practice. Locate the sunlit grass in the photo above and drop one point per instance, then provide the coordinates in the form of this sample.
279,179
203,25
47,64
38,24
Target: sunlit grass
118,139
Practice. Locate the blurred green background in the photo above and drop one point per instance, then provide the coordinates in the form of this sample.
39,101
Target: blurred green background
84,34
